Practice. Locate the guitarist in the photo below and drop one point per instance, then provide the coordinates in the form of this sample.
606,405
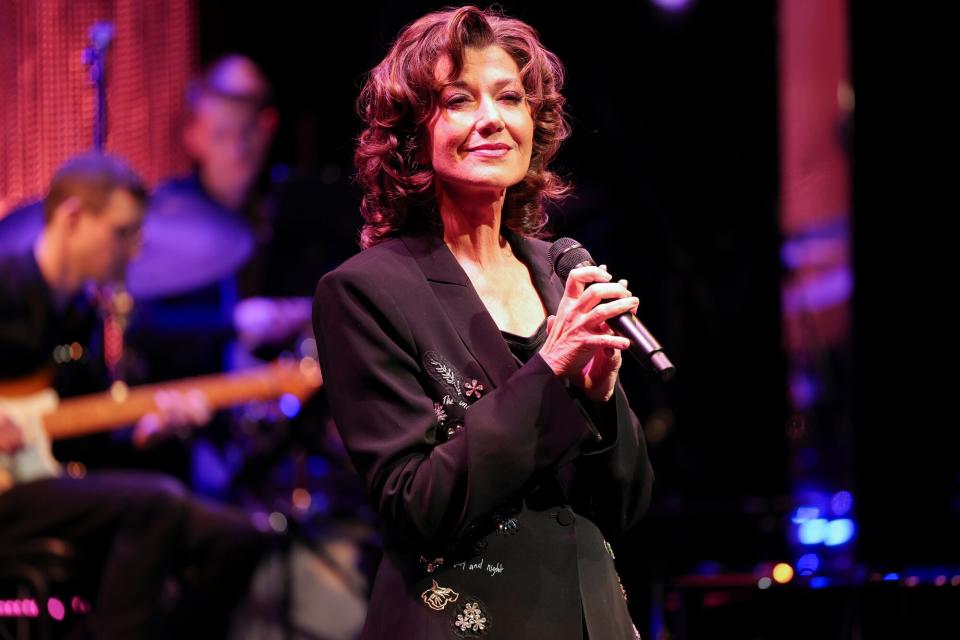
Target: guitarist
138,528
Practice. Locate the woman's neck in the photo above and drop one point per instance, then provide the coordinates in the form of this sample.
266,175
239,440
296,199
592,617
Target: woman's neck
471,229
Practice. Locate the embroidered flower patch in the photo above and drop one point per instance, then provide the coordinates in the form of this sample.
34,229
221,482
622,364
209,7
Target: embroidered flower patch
471,620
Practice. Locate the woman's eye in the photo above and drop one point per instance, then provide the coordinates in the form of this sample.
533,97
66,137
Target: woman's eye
512,97
456,100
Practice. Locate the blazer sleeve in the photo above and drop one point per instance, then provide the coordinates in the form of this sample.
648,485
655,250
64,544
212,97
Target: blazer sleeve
426,491
614,478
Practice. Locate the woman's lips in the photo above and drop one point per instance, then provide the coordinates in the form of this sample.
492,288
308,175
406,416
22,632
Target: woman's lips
490,150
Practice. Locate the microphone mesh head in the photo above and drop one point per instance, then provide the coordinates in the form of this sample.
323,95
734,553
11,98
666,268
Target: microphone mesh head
565,254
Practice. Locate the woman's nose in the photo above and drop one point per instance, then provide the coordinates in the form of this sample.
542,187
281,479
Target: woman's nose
489,119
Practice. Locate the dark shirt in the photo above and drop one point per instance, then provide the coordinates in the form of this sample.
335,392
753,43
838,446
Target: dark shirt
64,346
35,335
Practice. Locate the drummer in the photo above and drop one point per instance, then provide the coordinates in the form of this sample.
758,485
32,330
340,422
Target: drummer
229,128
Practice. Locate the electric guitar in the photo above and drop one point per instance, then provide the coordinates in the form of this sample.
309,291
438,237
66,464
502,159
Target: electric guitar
43,417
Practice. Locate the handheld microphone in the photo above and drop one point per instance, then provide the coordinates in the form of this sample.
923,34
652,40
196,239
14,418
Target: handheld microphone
566,254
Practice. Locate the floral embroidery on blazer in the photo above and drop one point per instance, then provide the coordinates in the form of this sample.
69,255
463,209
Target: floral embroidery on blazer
459,393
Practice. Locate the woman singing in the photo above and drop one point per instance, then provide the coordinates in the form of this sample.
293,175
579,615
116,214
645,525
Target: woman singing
475,391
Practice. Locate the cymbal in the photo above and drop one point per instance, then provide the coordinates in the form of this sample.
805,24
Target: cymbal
188,242
20,227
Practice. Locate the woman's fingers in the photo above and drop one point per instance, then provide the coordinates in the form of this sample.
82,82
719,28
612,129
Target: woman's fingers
579,330
607,341
607,310
596,293
581,277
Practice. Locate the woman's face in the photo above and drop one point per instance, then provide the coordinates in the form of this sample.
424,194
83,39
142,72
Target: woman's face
481,135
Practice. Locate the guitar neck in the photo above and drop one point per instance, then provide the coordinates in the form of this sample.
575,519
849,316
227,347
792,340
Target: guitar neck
121,407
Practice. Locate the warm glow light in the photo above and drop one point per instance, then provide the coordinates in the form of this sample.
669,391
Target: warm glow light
119,391
783,573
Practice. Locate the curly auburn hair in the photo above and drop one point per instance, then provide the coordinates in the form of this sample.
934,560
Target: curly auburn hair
399,97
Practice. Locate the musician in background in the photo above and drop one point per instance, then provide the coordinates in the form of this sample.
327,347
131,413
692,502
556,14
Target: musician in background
228,132
214,326
139,528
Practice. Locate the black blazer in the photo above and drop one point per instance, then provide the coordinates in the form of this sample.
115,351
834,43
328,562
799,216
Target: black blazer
492,480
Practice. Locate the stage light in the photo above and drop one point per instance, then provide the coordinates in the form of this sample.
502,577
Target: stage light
119,391
839,532
260,520
808,564
301,499
61,354
289,405
310,369
278,522
56,609
79,605
783,573
76,470
804,389
841,503
813,531
803,514
673,6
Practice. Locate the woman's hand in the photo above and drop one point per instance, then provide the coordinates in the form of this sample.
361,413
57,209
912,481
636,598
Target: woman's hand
580,345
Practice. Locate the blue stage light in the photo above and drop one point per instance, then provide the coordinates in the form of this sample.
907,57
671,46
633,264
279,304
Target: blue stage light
813,531
839,532
808,564
289,405
841,503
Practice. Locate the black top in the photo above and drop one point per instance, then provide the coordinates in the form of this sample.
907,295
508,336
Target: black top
524,348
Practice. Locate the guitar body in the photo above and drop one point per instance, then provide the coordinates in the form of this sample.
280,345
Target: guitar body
35,460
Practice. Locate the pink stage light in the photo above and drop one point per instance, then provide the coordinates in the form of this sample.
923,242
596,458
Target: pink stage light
56,609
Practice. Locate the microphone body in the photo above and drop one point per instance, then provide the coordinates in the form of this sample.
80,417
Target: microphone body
566,254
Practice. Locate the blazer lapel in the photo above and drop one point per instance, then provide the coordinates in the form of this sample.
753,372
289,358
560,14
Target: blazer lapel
462,306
